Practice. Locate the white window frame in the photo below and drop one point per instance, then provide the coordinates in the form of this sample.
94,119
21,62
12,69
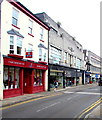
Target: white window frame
30,47
16,44
41,33
30,27
40,54
15,18
11,44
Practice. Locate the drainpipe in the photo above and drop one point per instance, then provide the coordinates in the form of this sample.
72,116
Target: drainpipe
48,66
1,60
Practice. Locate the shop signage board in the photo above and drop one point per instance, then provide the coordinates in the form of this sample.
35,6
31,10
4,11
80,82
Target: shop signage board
14,62
26,64
29,54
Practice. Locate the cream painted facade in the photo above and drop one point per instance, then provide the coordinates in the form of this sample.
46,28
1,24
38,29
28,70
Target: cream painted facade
6,25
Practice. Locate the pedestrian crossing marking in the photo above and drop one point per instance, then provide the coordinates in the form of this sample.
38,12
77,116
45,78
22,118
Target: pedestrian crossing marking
90,93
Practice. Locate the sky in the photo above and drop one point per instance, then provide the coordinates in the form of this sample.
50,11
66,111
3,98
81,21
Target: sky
80,18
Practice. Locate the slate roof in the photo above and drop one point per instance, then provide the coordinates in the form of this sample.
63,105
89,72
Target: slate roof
14,32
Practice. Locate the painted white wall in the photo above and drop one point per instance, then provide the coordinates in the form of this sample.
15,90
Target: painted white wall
6,22
6,25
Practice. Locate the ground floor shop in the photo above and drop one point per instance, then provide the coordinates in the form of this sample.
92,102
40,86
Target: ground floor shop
91,77
23,77
65,76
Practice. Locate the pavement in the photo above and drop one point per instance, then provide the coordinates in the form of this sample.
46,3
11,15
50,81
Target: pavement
10,101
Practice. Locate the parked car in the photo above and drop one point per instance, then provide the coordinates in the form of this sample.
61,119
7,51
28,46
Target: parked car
100,82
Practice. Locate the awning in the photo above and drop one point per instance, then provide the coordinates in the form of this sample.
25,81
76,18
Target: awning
14,32
42,46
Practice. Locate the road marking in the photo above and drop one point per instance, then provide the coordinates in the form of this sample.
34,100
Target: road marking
48,106
68,92
17,104
90,93
72,97
89,108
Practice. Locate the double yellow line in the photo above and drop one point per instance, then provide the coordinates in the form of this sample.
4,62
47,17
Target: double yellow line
85,111
17,104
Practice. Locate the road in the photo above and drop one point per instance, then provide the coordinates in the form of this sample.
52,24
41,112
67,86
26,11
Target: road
68,104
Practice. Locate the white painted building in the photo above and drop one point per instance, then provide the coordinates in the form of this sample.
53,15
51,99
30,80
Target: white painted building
24,51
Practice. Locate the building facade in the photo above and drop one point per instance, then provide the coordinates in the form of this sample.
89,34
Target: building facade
24,51
93,67
66,58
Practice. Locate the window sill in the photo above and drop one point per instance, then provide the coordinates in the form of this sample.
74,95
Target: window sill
42,40
30,34
15,26
15,56
42,62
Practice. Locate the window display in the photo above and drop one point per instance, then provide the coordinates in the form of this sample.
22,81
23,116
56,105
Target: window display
37,77
5,77
11,78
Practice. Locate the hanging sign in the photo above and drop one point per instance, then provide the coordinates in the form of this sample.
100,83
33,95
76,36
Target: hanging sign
29,54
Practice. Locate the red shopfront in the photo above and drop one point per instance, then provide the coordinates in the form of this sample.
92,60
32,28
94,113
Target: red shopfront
23,77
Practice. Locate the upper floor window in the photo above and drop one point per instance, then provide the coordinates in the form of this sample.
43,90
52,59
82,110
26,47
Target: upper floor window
30,47
19,45
40,54
30,27
44,56
41,33
55,54
15,45
65,57
15,16
11,44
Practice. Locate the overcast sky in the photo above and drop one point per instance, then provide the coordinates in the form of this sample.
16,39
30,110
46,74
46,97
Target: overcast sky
80,18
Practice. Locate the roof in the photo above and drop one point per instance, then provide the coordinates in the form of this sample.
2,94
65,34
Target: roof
14,32
42,46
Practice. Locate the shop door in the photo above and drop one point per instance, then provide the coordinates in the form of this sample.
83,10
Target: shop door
27,81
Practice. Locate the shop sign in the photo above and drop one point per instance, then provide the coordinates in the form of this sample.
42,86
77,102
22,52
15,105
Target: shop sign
53,73
29,54
12,62
41,67
97,76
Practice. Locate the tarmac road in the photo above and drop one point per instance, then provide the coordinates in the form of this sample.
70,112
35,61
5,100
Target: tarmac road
67,104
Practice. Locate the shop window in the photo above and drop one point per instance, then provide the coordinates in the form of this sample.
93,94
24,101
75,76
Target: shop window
5,77
11,77
15,16
17,71
38,78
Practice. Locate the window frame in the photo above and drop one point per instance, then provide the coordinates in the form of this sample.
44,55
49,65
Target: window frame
15,44
15,19
41,34
30,27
